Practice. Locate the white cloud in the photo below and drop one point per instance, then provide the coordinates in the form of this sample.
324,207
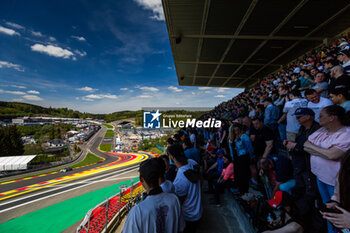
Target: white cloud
204,88
82,54
174,89
79,38
5,64
155,6
89,89
39,34
124,89
20,87
77,98
14,25
144,96
54,51
220,96
33,92
207,92
17,99
101,96
170,68
144,88
86,99
12,92
193,93
52,38
222,89
32,97
8,31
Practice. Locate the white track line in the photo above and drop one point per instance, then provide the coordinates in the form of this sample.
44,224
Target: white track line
27,203
71,184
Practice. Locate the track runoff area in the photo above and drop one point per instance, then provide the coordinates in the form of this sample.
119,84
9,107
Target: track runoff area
54,202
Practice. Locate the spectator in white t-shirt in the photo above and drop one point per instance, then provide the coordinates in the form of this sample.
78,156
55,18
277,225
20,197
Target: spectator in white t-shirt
288,113
187,187
160,211
316,103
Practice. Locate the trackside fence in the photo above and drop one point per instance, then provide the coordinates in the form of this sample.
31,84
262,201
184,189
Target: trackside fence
108,214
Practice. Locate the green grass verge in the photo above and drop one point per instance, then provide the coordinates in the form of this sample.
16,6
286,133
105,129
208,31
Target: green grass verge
106,147
89,159
109,134
156,150
107,125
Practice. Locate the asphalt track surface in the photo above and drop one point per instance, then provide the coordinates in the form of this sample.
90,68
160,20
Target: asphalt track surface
22,197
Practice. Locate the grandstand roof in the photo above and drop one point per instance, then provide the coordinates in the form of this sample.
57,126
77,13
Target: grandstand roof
230,43
10,163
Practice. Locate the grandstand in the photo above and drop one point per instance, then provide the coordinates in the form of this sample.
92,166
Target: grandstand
236,43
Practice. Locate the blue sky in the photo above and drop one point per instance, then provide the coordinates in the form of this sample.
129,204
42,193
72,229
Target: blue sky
92,56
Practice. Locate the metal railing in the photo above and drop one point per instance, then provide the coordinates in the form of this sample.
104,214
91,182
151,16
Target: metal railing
108,214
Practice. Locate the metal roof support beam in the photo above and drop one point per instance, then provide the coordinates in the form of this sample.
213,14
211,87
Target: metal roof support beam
238,30
220,77
223,63
200,42
296,43
285,20
249,37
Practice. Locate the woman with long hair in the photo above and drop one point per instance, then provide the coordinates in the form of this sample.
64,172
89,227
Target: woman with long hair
327,146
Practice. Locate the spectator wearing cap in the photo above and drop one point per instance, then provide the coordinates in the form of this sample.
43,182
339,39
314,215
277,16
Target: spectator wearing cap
339,78
341,97
214,171
321,85
344,58
271,115
306,189
289,219
327,147
160,211
288,113
187,188
316,103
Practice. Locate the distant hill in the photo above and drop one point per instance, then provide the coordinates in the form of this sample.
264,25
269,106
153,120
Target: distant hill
15,109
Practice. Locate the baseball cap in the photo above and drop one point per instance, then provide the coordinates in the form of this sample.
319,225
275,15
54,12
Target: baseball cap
219,151
276,200
304,111
281,198
343,43
344,52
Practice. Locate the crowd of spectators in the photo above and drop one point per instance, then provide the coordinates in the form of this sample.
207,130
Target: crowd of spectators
282,150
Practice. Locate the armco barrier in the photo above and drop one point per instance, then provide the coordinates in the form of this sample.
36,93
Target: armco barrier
108,214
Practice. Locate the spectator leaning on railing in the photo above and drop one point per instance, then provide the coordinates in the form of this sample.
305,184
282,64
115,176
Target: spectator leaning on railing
187,187
159,212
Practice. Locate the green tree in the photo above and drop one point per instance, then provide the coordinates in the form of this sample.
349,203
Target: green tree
10,142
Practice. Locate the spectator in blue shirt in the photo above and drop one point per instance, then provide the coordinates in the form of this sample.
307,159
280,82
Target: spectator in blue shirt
272,114
244,154
214,172
190,151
